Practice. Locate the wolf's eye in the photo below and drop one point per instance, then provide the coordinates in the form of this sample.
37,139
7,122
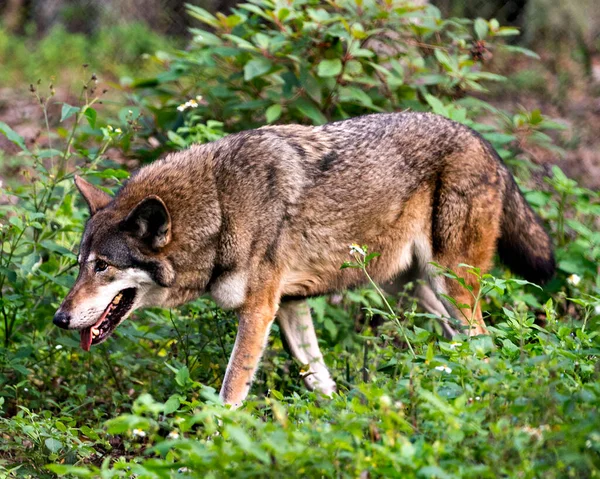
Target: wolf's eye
100,266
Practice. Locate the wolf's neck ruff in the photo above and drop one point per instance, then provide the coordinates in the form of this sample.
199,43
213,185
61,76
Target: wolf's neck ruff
265,215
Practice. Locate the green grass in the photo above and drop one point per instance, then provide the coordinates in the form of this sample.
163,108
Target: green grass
520,403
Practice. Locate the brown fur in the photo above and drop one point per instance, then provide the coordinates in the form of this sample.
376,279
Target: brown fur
268,215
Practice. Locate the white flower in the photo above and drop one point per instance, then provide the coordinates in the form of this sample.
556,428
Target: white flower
198,97
385,400
58,346
118,130
189,104
109,127
535,432
597,309
455,344
574,279
139,433
355,249
477,398
173,435
444,369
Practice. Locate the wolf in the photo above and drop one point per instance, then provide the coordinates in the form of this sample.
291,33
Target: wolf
263,220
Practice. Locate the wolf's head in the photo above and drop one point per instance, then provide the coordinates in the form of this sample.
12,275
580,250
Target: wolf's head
122,264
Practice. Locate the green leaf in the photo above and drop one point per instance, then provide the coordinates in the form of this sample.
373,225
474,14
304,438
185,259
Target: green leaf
53,445
516,49
203,15
177,139
436,105
429,355
49,153
16,222
12,136
329,68
10,274
182,376
52,246
308,109
63,470
68,111
238,435
89,432
507,32
481,28
355,94
255,68
60,426
61,280
91,115
203,37
273,113
172,404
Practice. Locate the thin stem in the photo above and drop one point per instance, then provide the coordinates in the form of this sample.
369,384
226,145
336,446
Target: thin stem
390,309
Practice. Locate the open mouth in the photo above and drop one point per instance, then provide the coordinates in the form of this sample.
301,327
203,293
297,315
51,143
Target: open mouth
110,319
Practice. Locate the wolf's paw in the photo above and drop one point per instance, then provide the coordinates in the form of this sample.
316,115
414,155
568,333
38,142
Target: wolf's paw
326,386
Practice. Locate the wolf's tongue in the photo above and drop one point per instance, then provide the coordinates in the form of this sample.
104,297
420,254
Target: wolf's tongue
86,339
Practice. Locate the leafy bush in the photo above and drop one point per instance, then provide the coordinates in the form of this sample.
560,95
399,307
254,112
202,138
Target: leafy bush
521,402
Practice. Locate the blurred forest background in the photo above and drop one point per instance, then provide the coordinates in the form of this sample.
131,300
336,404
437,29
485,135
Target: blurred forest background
40,39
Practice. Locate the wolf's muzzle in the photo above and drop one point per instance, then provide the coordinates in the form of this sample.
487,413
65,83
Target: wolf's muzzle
62,320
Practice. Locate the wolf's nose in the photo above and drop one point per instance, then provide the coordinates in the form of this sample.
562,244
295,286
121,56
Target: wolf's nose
61,320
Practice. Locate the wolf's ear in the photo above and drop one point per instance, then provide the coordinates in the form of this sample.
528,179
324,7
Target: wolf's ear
150,221
95,198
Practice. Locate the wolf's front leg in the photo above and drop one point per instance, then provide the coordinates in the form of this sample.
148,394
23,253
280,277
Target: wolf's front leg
255,319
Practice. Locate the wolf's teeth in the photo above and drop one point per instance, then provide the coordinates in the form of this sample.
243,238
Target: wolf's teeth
117,298
95,332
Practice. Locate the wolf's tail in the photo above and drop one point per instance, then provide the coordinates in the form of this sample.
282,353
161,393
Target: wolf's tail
524,246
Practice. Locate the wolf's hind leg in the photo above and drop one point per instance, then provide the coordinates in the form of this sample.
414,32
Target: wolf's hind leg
297,326
430,303
468,319
465,229
423,293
